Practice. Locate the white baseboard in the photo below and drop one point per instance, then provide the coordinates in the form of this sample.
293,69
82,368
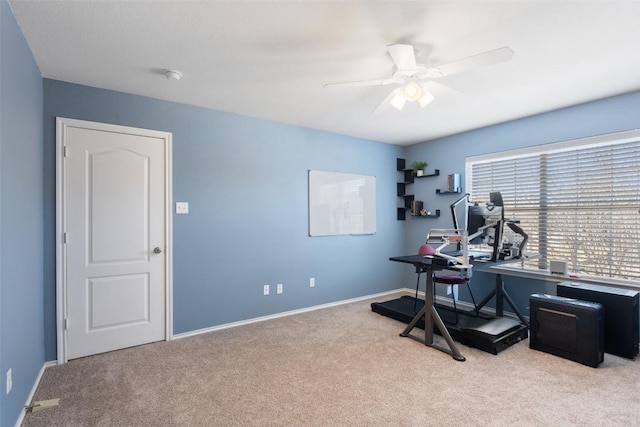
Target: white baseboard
33,390
284,314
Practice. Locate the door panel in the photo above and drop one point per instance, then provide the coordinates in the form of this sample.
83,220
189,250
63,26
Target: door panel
117,301
115,215
118,194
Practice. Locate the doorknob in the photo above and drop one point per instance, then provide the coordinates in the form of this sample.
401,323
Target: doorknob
157,250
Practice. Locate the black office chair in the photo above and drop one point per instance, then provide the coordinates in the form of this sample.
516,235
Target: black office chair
456,280
445,279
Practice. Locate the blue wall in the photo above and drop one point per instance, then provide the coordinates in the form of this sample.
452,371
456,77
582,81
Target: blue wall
246,183
21,228
608,115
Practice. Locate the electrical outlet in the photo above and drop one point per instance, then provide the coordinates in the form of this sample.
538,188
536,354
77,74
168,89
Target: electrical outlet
312,282
279,288
9,381
265,290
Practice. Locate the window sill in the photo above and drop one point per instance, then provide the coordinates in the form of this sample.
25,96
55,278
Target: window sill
528,273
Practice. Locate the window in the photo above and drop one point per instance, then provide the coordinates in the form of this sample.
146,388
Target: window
578,200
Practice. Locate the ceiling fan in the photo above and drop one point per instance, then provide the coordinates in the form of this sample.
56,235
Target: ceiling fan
412,75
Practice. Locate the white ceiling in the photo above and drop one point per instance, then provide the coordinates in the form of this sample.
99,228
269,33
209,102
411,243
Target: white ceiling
270,59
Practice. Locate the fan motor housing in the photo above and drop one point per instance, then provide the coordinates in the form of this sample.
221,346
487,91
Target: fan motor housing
419,73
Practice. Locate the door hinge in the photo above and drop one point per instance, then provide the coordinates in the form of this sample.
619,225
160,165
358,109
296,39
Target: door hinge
66,323
64,237
64,151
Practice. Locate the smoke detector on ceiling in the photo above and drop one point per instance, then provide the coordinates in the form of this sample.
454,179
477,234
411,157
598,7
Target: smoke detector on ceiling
173,74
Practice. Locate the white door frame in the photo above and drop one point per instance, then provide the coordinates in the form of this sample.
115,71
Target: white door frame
61,292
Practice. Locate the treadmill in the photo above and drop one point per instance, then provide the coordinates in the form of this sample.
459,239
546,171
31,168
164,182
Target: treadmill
484,332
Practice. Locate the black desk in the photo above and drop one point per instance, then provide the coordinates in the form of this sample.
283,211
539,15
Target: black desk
431,316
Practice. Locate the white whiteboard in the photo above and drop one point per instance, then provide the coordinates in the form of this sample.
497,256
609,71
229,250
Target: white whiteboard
341,203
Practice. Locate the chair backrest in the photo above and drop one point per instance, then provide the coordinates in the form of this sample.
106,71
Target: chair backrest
495,199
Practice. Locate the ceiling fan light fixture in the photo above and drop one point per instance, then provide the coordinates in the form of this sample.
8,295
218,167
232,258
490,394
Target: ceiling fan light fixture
398,100
412,91
426,98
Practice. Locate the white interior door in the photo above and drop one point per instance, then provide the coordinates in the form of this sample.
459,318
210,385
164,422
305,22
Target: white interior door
115,236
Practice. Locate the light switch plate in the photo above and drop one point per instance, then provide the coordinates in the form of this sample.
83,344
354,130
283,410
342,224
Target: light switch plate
182,207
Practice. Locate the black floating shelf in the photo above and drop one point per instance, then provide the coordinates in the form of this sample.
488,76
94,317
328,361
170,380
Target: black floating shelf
408,176
436,173
438,191
401,214
436,215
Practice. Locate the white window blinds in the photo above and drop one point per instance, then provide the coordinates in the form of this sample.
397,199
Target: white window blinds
579,200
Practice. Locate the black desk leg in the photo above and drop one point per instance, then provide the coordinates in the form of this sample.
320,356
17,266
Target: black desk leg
430,316
501,295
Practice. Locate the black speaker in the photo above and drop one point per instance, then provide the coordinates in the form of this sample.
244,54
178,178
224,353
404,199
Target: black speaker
621,323
568,328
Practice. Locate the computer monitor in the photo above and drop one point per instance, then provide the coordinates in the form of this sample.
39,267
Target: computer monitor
495,198
484,225
481,222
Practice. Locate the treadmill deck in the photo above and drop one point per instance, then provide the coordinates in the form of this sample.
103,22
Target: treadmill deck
486,333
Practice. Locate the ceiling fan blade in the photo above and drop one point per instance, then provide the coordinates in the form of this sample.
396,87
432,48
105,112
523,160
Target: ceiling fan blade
379,82
403,56
440,89
491,57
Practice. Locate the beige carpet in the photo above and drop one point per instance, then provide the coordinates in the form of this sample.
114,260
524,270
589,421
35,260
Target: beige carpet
341,366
